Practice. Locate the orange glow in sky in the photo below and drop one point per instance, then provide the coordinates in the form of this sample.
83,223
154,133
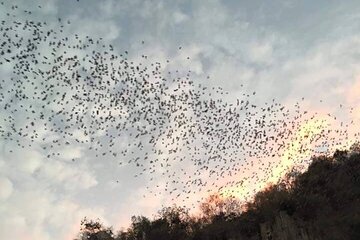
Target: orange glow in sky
301,145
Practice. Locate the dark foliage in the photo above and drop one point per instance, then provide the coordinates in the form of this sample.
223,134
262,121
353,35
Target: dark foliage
326,196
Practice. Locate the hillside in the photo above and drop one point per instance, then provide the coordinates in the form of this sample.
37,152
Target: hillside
320,203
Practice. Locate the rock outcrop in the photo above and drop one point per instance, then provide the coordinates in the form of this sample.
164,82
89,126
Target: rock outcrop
286,228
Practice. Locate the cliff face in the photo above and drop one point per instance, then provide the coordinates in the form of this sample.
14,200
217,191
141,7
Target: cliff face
285,228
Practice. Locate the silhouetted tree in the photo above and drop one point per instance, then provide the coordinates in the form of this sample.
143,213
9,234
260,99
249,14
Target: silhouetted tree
94,230
216,206
325,196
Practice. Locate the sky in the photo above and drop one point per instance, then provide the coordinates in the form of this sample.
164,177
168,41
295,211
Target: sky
291,51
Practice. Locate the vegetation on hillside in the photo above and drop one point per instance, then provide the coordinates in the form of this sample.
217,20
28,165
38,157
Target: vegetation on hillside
326,196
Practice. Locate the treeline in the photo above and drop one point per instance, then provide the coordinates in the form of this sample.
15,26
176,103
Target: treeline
326,196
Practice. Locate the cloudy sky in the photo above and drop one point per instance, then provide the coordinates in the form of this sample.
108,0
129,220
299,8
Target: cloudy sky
287,50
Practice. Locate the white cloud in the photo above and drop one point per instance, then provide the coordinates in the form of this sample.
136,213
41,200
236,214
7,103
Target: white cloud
34,214
68,176
6,188
71,152
26,161
180,17
261,52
